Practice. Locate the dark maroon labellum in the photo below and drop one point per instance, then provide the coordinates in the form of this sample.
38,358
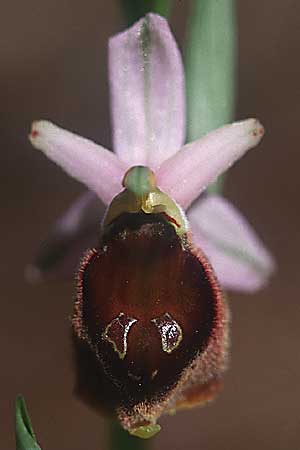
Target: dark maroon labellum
146,305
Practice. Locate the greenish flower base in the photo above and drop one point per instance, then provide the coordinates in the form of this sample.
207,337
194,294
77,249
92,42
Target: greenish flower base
122,440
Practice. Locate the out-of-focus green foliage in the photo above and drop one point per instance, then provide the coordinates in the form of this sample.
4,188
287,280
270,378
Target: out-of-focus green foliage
25,437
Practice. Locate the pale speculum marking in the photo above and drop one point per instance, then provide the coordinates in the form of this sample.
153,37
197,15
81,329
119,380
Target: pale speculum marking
117,331
170,332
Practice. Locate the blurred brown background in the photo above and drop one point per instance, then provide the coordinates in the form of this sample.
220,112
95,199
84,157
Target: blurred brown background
53,65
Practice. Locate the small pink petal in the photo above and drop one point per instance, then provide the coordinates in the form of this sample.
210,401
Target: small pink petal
236,253
99,169
186,174
75,231
147,92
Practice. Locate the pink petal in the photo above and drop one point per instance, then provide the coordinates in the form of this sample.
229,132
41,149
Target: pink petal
186,174
99,169
75,231
147,92
238,256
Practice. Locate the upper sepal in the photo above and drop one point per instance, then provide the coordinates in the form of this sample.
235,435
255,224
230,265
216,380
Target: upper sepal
147,92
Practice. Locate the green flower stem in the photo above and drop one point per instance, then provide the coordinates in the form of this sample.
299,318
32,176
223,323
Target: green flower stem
121,440
162,7
133,10
210,68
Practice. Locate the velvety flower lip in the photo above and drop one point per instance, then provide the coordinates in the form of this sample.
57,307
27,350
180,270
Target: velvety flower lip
148,116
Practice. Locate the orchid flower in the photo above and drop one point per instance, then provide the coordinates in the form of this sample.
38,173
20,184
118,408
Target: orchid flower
152,185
